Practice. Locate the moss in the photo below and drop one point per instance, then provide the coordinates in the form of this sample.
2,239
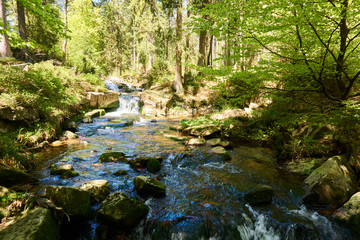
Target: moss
146,186
153,165
113,157
11,177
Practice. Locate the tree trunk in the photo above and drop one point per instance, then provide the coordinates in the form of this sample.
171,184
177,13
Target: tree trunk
178,81
5,50
22,27
202,48
209,58
65,30
187,70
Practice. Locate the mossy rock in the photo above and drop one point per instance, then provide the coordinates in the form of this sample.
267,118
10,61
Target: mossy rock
121,211
69,174
60,169
153,165
113,157
98,189
10,177
120,173
259,194
221,151
140,162
95,113
37,224
74,201
350,212
304,166
146,186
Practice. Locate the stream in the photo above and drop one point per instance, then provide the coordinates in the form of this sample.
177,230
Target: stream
204,196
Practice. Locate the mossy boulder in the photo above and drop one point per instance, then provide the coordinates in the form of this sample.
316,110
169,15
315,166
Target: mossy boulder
95,113
121,211
98,189
113,157
218,142
350,212
64,170
146,186
196,141
202,130
120,172
333,183
153,165
37,224
304,166
259,194
10,177
74,201
142,162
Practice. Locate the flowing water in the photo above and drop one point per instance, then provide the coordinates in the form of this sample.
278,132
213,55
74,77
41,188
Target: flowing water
204,198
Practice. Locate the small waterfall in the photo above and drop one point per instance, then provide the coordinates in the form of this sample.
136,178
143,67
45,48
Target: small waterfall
128,104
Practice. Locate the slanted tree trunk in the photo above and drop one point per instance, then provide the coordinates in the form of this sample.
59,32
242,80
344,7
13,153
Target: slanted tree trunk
178,80
22,27
5,50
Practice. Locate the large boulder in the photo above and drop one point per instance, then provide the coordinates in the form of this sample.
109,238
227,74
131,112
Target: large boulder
146,186
350,212
94,113
153,165
202,130
155,103
10,177
98,189
19,114
37,224
143,161
333,183
113,157
103,100
121,211
304,166
259,194
74,201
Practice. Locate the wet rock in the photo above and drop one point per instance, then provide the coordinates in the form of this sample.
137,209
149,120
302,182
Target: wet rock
176,128
202,131
146,186
176,137
230,113
37,224
57,143
64,170
87,120
68,135
95,113
218,142
350,212
103,100
19,114
142,162
155,103
333,183
121,211
74,201
10,177
153,165
304,166
258,154
196,141
259,194
113,157
69,174
120,173
98,189
225,155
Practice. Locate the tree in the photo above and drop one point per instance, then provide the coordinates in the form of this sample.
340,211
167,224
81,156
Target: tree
5,50
178,73
22,27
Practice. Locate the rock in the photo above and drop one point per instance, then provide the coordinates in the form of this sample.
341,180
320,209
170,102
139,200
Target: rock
230,113
69,125
69,174
202,131
103,100
155,103
196,141
141,162
10,177
87,120
98,189
259,194
37,224
74,201
146,186
120,173
121,211
218,142
350,212
68,135
113,157
225,155
304,166
58,170
176,128
19,114
95,113
153,165
3,191
176,137
57,143
258,154
332,183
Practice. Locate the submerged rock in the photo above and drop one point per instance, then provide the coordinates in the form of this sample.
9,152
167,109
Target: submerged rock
121,211
113,157
65,170
74,201
259,194
98,189
37,224
142,162
146,186
10,177
350,212
225,155
218,142
332,183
